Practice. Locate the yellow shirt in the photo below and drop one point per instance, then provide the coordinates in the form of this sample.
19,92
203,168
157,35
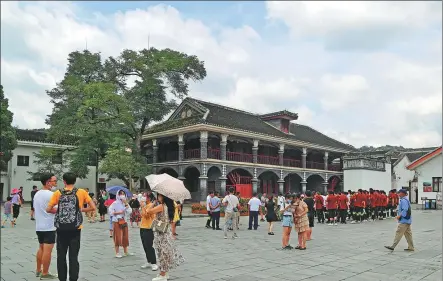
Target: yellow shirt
147,219
82,195
176,214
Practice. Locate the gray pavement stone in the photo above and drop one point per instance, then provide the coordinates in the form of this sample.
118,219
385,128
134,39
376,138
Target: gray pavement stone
344,252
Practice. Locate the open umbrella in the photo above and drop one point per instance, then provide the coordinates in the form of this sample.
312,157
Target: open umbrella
115,189
14,191
168,186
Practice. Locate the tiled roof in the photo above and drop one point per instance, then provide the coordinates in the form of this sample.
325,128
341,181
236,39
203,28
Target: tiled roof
229,117
412,156
421,160
280,113
40,135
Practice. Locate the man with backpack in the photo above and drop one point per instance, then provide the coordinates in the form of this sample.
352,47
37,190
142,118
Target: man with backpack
68,222
404,222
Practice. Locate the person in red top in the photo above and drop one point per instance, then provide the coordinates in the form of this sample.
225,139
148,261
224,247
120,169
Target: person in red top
331,204
367,203
384,204
319,204
343,207
372,204
359,205
395,200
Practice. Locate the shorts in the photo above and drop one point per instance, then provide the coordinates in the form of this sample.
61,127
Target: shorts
32,205
287,221
311,219
46,237
7,217
15,210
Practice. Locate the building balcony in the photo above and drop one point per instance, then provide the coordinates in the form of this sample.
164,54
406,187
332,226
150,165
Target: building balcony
194,154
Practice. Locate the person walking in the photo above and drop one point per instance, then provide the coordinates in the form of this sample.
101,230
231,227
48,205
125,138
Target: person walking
208,200
146,233
16,205
7,209
309,201
120,210
254,207
68,221
33,192
44,226
231,204
404,222
271,216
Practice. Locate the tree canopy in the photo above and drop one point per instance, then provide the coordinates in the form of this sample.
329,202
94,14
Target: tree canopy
8,139
104,106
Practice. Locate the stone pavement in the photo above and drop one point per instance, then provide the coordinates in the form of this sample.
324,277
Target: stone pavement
344,252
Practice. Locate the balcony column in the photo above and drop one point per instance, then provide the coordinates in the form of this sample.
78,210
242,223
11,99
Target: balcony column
303,183
154,151
223,143
325,158
325,187
303,157
222,185
203,188
203,145
254,181
281,186
254,151
181,147
281,152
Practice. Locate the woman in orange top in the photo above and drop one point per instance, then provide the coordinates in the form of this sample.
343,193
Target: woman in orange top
146,233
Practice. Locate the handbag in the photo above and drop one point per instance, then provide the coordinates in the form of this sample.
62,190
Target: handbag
159,226
122,223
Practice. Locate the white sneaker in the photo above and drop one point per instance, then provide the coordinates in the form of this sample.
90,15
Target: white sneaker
146,265
154,267
335,223
352,222
119,256
226,237
160,278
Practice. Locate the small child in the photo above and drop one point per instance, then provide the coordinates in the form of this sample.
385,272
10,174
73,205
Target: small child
8,212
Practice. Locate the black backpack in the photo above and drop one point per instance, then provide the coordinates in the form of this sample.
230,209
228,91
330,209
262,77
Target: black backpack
68,216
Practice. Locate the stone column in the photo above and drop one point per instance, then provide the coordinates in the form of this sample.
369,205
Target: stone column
281,152
303,157
154,151
254,185
203,188
325,187
325,158
223,143
303,185
281,186
181,147
222,184
203,144
254,151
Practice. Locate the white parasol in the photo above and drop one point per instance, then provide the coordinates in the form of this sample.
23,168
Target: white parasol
168,186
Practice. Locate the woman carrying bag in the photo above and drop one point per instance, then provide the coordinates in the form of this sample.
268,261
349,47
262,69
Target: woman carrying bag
119,210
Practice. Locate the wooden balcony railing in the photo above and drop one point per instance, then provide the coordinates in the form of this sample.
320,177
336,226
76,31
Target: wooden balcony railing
315,165
268,160
239,157
334,167
214,153
291,163
192,154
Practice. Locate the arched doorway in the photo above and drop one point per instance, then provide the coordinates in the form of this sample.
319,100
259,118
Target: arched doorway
335,184
241,181
268,183
293,184
315,183
168,171
192,182
214,184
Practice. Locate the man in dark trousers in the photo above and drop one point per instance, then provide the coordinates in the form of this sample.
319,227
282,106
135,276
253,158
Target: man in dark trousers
33,192
254,207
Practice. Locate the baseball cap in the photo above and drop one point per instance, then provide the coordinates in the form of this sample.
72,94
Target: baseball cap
403,191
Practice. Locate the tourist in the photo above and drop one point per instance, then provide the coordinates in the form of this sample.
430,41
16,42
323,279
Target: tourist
280,202
175,220
119,210
301,221
343,207
16,205
359,205
331,204
108,203
309,201
263,200
287,221
68,221
404,222
102,210
215,204
232,205
146,233
208,200
395,201
319,205
254,205
168,255
134,203
271,216
384,204
7,212
33,192
44,226
92,214
238,214
20,194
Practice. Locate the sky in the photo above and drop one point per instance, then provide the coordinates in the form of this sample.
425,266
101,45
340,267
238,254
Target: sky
365,73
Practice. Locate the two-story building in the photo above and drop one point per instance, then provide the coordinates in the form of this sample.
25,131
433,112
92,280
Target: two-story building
212,147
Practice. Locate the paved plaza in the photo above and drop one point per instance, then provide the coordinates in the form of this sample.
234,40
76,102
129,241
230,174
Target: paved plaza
344,252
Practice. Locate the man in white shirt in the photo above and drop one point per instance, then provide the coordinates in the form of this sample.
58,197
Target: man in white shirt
231,208
254,205
208,208
44,226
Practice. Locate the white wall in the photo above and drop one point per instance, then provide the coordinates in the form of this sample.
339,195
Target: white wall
356,179
403,175
19,177
430,169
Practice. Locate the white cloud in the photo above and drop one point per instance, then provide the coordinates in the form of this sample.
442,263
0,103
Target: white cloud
389,94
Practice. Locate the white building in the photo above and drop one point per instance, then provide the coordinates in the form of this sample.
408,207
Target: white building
22,162
428,175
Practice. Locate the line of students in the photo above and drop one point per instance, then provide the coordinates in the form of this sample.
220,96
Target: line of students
357,206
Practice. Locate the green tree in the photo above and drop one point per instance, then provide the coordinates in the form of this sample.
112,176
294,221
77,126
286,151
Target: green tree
8,139
48,160
96,104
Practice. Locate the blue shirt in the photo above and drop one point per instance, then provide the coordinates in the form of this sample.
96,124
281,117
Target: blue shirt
214,201
403,210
